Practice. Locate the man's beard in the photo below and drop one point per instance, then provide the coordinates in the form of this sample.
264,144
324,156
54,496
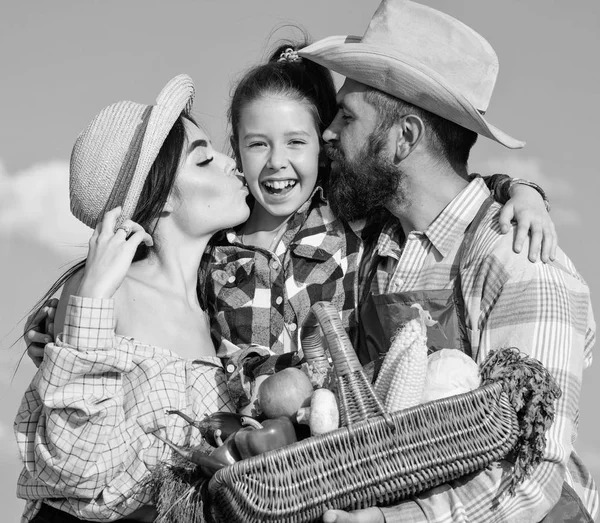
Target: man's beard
365,185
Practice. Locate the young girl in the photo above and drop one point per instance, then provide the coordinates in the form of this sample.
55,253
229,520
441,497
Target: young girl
261,278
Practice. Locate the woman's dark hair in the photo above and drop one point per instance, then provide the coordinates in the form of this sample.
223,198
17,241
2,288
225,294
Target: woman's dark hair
155,191
300,80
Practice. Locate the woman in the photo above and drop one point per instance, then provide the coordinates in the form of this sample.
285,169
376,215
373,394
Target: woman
85,426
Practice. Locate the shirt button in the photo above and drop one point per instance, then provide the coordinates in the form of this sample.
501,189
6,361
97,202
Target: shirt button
275,265
293,327
231,279
278,300
230,368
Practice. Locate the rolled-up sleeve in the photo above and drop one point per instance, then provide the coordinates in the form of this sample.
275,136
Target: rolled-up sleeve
72,413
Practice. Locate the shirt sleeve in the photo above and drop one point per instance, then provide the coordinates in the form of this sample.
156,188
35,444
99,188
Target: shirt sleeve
544,310
72,411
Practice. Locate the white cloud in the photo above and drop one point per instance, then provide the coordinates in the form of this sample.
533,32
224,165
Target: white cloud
530,168
34,203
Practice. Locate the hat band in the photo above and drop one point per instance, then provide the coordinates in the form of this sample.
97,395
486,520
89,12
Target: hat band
120,189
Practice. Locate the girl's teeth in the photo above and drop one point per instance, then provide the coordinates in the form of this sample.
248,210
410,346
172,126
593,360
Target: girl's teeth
280,184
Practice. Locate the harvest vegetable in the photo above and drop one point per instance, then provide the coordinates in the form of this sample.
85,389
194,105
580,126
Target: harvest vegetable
401,380
317,366
256,438
449,372
209,464
532,391
323,414
284,392
226,422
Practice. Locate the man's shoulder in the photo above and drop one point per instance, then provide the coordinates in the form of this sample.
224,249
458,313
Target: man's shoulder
493,251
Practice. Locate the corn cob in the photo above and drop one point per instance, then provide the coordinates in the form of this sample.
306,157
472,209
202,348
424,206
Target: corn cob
401,380
408,383
402,341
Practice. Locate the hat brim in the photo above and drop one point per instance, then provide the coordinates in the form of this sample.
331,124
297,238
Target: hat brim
176,97
404,78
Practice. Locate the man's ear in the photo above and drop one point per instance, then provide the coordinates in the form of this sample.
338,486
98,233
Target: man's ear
410,130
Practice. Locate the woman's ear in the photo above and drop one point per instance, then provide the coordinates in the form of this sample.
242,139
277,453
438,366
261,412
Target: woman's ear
169,205
410,130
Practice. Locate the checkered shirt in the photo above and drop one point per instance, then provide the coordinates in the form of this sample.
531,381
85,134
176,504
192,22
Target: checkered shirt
258,297
84,427
543,309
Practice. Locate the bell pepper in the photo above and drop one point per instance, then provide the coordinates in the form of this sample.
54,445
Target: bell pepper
227,422
256,437
226,451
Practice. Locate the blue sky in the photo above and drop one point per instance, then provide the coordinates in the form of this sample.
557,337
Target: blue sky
63,61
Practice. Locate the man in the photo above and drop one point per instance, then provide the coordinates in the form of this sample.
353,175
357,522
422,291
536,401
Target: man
418,84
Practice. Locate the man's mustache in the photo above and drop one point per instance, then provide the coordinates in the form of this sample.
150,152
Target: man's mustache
333,152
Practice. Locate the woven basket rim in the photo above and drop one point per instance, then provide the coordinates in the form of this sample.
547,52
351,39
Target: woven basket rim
240,467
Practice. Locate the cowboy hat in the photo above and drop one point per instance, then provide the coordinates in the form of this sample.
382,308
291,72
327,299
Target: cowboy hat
112,157
424,57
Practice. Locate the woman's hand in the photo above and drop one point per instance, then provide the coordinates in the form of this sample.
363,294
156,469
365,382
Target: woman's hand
527,208
110,255
39,330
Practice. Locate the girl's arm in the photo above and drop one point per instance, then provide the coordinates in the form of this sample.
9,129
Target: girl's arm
525,204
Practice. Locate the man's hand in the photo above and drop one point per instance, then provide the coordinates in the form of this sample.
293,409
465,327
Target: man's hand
366,515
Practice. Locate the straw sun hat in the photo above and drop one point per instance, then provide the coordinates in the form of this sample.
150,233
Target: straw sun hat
113,155
424,57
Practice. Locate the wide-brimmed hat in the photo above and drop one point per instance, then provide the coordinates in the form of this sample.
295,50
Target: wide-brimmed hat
112,157
424,57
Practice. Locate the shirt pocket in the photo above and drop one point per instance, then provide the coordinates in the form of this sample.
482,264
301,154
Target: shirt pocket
314,265
233,283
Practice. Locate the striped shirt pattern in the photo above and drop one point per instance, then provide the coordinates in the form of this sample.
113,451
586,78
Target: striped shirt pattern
84,427
543,309
258,297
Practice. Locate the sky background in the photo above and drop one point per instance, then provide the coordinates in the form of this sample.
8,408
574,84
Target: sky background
63,61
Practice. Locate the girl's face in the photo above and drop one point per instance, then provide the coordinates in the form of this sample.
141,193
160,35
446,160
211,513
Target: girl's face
279,151
208,196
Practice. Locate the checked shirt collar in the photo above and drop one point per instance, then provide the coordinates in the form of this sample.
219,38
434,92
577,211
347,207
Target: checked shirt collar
445,230
302,218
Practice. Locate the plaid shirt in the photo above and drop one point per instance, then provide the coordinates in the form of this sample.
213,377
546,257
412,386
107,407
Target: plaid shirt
258,297
84,427
543,309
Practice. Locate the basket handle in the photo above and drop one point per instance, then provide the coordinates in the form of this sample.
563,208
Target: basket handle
357,397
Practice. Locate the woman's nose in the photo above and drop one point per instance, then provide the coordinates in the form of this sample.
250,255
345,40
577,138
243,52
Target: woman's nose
228,163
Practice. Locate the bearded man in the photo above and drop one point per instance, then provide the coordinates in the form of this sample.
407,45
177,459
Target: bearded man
418,84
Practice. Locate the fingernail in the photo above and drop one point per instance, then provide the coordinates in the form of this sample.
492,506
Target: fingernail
47,339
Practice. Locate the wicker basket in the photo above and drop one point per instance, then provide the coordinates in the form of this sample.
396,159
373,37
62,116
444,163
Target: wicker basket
379,458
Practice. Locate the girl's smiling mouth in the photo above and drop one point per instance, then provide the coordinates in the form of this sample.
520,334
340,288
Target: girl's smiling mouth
279,187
